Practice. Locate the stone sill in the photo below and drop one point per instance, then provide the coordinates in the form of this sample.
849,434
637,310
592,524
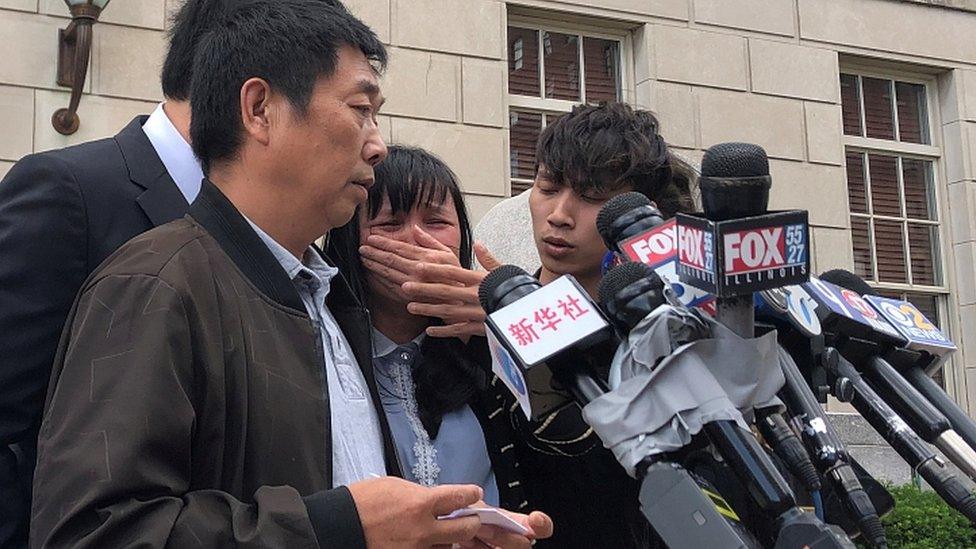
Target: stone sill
963,5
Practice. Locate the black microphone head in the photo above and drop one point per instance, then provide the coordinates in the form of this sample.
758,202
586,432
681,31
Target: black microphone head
624,216
849,280
735,160
619,278
499,287
735,181
629,292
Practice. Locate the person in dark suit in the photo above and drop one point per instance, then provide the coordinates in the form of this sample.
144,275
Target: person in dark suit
62,213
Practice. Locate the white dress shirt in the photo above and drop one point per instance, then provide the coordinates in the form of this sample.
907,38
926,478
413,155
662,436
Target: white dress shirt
175,152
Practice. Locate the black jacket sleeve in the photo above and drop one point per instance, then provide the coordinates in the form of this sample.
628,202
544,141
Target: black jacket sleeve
43,262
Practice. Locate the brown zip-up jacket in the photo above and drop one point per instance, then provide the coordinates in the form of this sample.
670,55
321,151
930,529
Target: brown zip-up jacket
188,404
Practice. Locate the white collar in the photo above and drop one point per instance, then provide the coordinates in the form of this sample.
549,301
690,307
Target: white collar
176,154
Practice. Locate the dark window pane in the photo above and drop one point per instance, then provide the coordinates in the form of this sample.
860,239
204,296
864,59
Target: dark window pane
878,118
561,58
884,185
850,104
524,128
890,251
600,62
855,182
523,61
924,240
919,190
861,240
912,120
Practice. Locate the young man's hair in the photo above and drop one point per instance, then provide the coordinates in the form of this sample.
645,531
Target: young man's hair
411,177
600,148
290,44
189,24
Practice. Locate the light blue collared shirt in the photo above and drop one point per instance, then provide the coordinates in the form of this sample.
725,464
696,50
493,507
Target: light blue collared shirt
458,455
175,152
357,443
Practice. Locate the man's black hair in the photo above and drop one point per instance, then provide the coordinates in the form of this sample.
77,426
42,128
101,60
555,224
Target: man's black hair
446,376
600,148
288,43
189,24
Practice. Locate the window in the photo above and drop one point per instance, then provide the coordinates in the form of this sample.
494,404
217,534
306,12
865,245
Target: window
891,183
549,71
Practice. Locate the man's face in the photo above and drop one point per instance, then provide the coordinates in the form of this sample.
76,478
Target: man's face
564,227
326,159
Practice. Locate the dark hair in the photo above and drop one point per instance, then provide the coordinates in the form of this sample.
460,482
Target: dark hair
446,377
608,146
288,43
189,25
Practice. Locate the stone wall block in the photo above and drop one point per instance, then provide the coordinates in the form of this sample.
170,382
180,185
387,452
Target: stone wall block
818,188
962,211
100,117
33,60
150,14
21,5
422,84
883,25
965,337
483,92
472,27
957,140
773,122
375,13
127,62
769,16
794,71
825,133
670,9
831,249
965,282
17,112
479,156
676,108
695,57
479,205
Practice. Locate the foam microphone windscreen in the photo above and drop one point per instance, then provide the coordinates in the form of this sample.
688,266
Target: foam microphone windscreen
497,277
620,277
616,207
735,160
849,280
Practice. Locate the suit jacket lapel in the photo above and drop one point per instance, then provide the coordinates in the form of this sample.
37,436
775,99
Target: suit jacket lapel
161,200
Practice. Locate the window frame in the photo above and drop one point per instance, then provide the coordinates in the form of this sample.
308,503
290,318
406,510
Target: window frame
546,107
934,153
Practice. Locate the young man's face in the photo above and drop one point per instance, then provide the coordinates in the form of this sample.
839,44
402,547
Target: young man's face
564,227
327,157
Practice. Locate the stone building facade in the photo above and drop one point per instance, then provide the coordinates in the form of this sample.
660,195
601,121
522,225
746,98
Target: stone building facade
803,78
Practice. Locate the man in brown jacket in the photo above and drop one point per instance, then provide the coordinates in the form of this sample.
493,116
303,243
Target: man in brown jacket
213,387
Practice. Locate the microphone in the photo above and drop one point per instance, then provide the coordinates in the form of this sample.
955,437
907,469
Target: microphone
893,429
793,312
634,230
680,388
537,335
924,418
683,509
924,350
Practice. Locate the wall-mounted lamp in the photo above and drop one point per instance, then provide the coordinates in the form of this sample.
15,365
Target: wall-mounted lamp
74,49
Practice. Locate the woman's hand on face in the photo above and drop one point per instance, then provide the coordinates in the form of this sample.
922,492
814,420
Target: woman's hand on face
430,277
450,293
394,262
